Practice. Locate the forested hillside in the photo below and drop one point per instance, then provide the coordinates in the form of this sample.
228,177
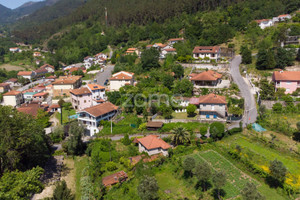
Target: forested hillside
142,12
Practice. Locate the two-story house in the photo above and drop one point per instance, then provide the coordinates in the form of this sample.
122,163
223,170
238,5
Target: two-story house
81,98
13,98
264,23
289,80
206,78
175,40
211,52
92,116
13,82
212,106
121,79
49,68
152,144
64,84
132,51
98,93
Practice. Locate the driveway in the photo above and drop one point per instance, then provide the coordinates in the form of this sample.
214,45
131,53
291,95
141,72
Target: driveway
106,74
250,114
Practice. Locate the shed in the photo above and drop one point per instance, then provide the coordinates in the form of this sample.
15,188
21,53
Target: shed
154,125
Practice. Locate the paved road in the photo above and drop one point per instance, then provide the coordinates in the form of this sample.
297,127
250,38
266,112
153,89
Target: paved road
26,87
106,74
250,114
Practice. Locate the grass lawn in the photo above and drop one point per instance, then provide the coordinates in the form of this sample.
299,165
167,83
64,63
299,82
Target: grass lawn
65,114
88,77
182,115
80,163
10,67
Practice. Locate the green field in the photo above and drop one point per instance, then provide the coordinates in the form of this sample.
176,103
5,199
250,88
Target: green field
65,115
236,179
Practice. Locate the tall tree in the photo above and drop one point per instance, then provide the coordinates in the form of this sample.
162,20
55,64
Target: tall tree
62,192
188,165
148,188
180,135
203,174
278,170
219,181
149,59
74,144
246,55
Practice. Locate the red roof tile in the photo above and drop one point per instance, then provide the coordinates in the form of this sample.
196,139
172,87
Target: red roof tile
153,142
212,99
286,75
40,94
101,109
12,93
114,178
25,73
206,49
206,76
80,91
95,87
122,76
175,39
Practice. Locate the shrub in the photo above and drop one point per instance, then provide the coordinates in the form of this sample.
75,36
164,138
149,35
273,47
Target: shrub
111,166
191,108
217,130
203,130
235,131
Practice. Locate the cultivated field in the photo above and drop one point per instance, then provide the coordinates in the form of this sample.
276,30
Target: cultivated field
9,67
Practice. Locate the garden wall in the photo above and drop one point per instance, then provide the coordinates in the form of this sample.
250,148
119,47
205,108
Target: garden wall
269,104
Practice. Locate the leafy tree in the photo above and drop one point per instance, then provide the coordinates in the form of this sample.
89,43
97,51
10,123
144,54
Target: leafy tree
114,97
188,165
278,170
148,188
126,140
219,180
178,70
149,59
284,58
74,144
43,118
191,108
58,134
61,104
21,185
235,110
62,192
250,192
265,59
23,143
203,173
181,135
166,111
246,55
267,91
183,87
167,81
277,107
217,130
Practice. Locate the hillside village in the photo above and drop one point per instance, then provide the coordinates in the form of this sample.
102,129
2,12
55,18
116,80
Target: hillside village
161,118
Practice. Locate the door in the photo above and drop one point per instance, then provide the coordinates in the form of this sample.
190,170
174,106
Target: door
207,116
215,116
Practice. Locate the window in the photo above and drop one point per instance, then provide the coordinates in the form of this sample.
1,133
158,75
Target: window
289,82
288,89
84,101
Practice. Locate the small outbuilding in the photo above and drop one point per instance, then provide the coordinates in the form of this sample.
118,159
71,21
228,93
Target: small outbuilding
118,177
153,126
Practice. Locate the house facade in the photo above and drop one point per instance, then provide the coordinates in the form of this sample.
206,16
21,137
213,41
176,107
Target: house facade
64,84
92,116
212,106
206,78
4,87
13,98
81,98
98,93
289,80
27,74
152,145
175,40
284,17
132,51
211,52
14,49
264,23
13,82
121,79
49,68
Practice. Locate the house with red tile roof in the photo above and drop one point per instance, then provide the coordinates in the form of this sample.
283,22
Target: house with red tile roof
121,79
64,84
49,68
13,98
211,52
15,49
284,17
264,23
4,87
206,78
175,40
37,54
212,106
132,51
114,178
289,80
13,82
27,74
31,109
152,144
92,116
40,97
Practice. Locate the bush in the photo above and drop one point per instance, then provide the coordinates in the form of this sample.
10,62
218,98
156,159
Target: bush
111,166
217,130
203,130
235,131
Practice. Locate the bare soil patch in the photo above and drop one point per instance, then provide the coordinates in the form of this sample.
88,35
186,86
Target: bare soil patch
10,67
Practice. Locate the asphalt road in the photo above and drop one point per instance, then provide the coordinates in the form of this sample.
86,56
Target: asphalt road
106,74
26,87
250,114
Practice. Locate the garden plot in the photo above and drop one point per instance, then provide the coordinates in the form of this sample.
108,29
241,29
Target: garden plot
236,179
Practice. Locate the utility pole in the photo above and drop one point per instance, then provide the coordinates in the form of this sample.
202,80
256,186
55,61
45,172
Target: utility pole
105,16
111,125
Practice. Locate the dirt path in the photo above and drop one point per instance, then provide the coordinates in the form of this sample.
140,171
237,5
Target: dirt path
68,174
53,120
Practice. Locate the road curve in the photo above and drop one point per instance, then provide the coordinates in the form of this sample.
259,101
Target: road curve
250,114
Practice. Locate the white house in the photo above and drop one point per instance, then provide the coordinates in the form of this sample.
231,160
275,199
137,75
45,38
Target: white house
15,49
212,106
27,74
165,52
152,144
175,40
211,52
92,116
264,23
284,17
49,68
28,96
121,79
13,98
98,93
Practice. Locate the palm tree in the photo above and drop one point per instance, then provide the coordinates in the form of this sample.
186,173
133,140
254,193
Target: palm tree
181,135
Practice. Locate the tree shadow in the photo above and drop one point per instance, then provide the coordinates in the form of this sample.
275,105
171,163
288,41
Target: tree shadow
273,182
204,185
187,174
217,192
